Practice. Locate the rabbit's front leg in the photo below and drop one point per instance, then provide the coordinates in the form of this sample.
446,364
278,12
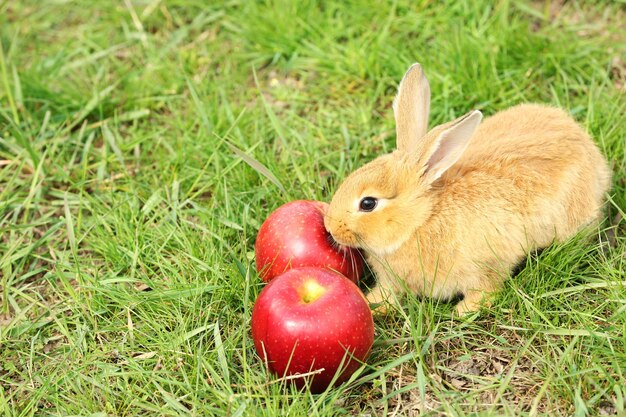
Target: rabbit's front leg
480,295
472,301
384,293
379,297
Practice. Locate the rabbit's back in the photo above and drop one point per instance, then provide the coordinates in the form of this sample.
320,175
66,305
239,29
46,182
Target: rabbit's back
535,165
530,134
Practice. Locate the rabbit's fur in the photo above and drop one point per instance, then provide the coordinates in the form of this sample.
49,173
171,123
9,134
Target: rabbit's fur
454,215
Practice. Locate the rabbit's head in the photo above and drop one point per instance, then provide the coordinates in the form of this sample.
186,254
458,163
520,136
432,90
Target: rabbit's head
382,204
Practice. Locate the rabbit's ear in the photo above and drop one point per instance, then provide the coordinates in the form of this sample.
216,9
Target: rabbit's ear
447,144
410,108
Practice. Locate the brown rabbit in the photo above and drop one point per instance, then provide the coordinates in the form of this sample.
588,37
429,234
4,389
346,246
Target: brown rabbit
451,216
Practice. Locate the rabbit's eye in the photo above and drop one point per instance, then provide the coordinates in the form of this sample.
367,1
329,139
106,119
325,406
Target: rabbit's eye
368,204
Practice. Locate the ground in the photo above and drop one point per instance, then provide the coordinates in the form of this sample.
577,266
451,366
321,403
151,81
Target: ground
143,142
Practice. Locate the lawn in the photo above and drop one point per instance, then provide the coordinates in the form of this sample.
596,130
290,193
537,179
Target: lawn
131,135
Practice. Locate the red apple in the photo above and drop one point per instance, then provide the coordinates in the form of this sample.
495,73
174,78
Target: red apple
294,236
312,319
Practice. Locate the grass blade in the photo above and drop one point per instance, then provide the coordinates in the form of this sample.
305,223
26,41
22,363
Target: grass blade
221,353
257,166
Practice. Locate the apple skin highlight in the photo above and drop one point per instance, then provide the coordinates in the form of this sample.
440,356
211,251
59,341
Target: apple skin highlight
334,330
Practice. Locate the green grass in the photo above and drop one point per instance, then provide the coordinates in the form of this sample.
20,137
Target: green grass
127,220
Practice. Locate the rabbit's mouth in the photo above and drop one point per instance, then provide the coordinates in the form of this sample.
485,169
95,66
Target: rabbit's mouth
340,245
341,241
338,234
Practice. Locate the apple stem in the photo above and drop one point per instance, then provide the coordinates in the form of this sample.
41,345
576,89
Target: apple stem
311,290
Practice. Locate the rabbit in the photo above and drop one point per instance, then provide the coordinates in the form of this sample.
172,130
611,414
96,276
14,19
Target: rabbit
453,210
